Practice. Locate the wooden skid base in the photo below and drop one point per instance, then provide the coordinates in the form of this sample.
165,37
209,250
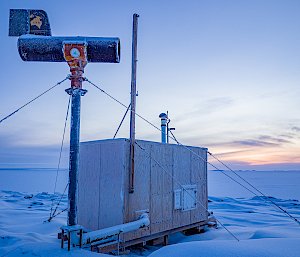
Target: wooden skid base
155,239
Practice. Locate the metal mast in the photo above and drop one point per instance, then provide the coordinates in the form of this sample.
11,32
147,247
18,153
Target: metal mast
133,102
77,52
76,56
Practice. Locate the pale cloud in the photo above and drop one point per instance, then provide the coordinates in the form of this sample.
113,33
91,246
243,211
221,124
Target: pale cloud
254,143
206,107
274,139
295,128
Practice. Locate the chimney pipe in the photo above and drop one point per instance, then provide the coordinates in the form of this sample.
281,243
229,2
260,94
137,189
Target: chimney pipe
164,123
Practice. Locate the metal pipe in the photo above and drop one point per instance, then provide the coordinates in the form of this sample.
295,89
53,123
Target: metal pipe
164,122
49,49
76,94
133,102
74,157
76,56
168,121
105,233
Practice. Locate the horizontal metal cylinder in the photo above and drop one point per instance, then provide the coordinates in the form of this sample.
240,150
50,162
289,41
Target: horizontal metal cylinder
50,49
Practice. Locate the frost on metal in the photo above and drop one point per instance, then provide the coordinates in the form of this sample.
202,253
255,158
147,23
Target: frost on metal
35,42
99,235
49,49
33,22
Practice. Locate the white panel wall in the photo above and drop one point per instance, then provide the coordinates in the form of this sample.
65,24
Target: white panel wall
103,184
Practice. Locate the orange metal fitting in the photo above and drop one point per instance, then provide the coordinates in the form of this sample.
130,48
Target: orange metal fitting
75,53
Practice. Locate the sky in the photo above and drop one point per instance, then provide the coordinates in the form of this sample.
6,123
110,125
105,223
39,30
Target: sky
228,72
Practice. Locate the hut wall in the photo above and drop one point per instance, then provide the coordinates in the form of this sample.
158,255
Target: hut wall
160,170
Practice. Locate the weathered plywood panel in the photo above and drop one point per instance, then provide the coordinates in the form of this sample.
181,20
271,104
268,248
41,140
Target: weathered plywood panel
204,183
181,174
104,200
161,188
111,187
198,177
196,164
139,200
88,186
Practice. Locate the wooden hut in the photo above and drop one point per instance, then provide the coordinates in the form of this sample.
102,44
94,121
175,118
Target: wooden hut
170,183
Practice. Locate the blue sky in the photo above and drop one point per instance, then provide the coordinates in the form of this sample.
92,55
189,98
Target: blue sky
227,72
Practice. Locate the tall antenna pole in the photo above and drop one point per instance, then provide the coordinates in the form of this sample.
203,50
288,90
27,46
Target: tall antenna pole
75,55
133,102
77,52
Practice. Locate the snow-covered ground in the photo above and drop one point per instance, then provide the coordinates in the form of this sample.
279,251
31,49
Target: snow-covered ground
25,202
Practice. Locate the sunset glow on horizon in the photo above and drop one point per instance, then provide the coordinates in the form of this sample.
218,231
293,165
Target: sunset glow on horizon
228,72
